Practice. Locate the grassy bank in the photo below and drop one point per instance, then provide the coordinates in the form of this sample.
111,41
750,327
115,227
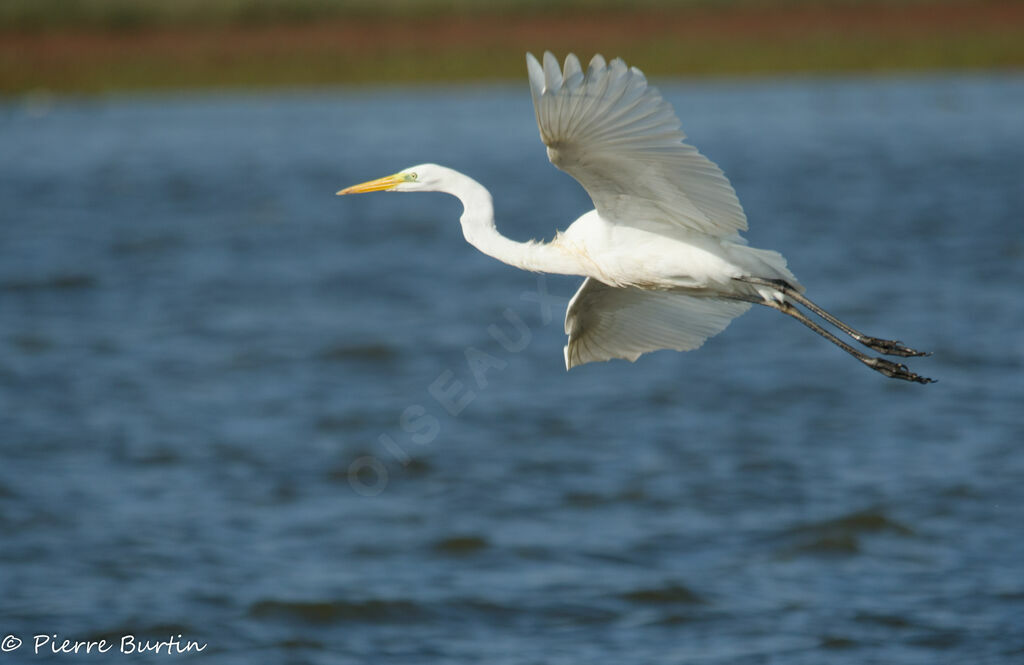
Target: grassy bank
315,42
129,14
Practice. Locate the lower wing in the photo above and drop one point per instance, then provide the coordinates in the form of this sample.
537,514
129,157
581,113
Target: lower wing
605,322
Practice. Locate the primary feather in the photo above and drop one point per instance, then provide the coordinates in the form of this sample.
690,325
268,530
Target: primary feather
621,140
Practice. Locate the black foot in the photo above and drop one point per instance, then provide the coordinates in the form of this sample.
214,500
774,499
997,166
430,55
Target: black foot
895,370
890,347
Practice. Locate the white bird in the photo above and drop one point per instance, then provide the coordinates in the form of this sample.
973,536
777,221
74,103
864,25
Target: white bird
664,262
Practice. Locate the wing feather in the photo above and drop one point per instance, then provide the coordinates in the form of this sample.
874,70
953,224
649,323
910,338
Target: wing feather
605,322
622,141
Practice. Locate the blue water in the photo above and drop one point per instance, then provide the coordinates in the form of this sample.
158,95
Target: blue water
217,417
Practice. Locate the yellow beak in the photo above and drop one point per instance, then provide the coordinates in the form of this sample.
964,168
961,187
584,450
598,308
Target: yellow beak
378,185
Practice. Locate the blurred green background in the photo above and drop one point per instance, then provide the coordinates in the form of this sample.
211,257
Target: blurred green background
108,45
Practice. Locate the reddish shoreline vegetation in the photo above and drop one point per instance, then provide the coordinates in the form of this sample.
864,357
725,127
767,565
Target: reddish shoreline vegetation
704,39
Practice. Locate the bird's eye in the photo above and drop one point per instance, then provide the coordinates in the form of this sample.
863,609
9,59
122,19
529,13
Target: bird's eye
413,176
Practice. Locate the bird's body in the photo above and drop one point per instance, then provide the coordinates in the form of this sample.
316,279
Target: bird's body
664,261
620,255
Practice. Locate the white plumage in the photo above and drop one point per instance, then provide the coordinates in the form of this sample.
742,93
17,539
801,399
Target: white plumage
664,262
621,140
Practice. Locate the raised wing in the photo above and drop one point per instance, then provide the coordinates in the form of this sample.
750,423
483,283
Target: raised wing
605,322
617,136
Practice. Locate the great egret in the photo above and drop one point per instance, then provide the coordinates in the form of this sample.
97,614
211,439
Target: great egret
664,262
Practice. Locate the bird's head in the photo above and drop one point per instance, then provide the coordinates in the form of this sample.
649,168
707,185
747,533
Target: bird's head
422,178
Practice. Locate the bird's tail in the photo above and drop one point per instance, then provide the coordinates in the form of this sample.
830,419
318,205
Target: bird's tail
766,264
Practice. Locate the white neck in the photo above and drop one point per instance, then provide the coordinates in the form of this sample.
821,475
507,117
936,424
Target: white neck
479,230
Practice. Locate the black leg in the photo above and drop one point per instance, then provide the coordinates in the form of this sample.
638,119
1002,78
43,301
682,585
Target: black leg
886,367
889,347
